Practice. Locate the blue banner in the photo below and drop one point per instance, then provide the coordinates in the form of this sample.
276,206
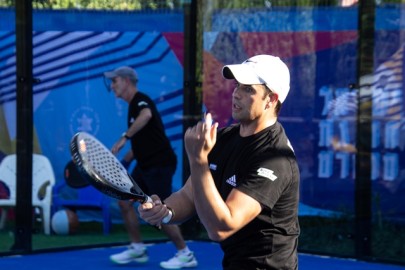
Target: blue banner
320,113
71,95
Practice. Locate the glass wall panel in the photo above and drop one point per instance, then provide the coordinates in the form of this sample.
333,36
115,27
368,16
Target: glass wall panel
74,42
388,129
320,113
8,125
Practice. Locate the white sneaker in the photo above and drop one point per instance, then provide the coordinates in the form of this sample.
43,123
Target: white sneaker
179,261
129,255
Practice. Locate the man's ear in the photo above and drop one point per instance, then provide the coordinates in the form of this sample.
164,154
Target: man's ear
274,97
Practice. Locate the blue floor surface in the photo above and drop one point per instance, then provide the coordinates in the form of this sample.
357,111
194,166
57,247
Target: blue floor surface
208,254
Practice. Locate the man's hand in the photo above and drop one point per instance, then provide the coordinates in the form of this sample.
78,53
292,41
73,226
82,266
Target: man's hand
118,145
200,139
153,213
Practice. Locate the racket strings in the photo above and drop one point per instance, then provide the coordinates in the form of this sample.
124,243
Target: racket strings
106,165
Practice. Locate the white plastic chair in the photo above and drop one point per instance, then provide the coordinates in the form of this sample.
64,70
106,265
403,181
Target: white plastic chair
43,180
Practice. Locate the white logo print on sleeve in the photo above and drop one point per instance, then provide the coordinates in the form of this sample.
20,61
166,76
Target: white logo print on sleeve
142,103
267,173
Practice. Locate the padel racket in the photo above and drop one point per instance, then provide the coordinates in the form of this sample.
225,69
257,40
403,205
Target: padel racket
73,177
104,171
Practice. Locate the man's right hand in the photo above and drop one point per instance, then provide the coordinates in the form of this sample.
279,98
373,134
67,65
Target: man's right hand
153,213
118,145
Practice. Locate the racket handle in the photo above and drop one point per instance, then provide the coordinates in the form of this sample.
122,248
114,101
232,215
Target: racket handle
167,218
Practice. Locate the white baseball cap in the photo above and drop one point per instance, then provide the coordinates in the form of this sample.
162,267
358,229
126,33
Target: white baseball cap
262,69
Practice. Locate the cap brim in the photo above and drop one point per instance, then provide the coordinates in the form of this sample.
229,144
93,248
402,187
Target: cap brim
242,73
110,74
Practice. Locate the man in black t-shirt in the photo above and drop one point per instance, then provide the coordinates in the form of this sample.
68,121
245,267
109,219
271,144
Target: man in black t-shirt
155,167
244,180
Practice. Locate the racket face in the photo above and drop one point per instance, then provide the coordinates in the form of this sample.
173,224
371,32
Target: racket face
102,169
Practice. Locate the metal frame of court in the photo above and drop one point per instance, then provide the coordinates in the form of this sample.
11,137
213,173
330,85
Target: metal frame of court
192,107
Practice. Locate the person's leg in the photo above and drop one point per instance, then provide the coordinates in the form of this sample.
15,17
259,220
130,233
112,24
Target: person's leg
159,182
131,221
174,234
136,250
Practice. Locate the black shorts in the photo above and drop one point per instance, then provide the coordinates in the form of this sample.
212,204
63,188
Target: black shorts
155,180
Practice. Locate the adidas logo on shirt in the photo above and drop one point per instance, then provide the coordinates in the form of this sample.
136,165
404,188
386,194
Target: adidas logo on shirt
232,181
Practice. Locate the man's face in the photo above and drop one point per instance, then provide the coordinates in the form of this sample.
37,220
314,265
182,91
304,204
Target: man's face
248,102
118,85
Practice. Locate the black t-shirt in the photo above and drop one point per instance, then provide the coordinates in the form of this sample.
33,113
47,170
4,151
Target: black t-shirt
150,145
264,167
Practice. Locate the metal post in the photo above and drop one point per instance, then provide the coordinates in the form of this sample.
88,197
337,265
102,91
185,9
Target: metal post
363,219
23,218
192,105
